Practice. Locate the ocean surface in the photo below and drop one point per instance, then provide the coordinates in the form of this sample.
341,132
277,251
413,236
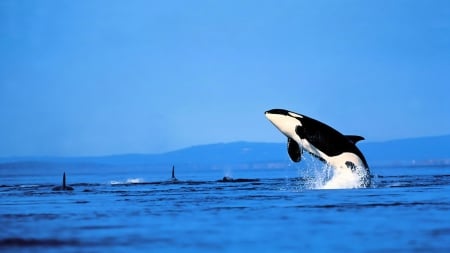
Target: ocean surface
276,210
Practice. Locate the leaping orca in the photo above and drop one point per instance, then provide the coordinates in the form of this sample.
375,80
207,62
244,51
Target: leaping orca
320,140
63,187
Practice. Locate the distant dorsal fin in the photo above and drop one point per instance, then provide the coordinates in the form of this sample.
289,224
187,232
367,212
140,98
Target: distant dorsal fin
64,186
173,171
354,138
64,181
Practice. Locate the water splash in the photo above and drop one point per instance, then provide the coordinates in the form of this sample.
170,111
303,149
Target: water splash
228,173
323,176
128,181
134,180
342,179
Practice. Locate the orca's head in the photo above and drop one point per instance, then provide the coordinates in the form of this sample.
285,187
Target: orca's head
286,121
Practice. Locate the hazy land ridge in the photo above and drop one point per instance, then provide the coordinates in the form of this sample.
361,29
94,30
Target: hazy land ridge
424,151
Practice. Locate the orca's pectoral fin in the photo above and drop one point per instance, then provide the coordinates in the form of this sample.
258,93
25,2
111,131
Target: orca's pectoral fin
354,138
294,150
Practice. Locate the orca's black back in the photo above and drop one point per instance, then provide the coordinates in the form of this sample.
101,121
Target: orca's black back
326,138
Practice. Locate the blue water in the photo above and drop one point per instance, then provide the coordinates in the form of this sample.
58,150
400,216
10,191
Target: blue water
406,210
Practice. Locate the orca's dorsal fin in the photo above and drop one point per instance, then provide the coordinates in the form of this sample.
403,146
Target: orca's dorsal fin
354,138
64,186
294,150
64,181
173,172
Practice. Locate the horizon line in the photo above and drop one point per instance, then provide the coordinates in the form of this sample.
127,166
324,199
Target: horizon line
19,157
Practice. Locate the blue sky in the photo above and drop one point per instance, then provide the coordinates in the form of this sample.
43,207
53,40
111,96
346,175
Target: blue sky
110,77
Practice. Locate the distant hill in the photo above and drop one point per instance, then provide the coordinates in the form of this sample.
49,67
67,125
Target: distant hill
202,156
431,151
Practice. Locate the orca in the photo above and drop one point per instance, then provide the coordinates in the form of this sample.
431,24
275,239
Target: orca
63,187
321,141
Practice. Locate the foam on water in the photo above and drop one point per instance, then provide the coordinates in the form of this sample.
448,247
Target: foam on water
343,179
323,176
128,181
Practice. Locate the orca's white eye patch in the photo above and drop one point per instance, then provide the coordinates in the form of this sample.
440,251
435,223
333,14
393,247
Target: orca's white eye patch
295,115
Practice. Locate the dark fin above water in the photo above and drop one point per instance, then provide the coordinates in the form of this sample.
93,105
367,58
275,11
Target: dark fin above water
64,181
294,150
354,138
173,174
63,187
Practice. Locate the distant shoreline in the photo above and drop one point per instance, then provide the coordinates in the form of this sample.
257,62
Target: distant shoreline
414,152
